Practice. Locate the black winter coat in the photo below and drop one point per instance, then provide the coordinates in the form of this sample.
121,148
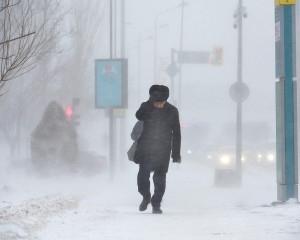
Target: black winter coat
161,134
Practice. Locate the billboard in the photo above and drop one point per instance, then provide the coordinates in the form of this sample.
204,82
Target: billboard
111,83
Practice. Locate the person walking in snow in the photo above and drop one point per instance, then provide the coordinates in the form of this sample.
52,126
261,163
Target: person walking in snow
160,138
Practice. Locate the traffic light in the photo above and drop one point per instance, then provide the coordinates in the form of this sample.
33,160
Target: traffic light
73,118
69,113
217,58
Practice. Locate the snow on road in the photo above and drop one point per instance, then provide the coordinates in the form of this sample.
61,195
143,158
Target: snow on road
93,208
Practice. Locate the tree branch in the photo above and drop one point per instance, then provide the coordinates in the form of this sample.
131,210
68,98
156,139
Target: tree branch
14,39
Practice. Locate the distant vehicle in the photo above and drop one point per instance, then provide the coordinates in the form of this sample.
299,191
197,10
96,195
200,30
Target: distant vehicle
225,157
258,147
226,174
263,156
91,163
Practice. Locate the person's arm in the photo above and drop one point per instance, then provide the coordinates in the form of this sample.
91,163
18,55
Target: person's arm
144,111
147,107
176,141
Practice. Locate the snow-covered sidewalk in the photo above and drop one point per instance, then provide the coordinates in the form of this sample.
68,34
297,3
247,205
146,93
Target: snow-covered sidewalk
93,208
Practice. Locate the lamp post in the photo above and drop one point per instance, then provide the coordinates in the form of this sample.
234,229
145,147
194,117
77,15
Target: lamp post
139,59
239,13
180,50
155,37
111,115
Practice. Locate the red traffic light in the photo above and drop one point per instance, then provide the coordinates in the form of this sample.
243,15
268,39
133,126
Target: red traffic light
69,112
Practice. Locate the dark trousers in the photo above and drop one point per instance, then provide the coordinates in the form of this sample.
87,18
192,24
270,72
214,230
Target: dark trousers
159,180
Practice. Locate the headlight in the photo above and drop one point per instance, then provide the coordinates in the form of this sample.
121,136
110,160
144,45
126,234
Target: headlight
209,157
189,152
243,159
225,160
259,158
271,157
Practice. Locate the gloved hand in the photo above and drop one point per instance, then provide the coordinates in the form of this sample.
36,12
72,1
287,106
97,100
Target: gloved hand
136,160
154,96
176,159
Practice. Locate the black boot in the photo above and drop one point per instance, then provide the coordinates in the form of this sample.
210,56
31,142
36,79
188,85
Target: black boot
156,210
144,204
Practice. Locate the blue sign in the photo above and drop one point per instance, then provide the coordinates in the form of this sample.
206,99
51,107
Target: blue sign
111,83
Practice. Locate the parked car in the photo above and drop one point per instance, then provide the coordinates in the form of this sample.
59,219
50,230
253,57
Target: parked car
89,162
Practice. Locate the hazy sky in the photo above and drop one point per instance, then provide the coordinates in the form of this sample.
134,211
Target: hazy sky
208,24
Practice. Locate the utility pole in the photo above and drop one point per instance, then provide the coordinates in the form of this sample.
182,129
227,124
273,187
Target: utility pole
139,68
123,23
240,12
122,120
111,110
111,29
239,80
140,40
172,77
180,64
155,39
115,28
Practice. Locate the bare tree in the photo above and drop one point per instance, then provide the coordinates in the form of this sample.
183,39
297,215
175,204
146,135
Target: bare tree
27,30
29,35
55,76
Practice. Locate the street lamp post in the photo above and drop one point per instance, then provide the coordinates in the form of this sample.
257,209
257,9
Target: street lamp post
240,12
155,37
139,59
111,115
180,50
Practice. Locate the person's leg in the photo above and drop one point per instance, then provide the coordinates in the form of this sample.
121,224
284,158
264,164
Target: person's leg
159,179
143,180
144,185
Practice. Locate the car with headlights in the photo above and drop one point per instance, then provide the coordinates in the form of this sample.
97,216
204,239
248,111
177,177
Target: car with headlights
262,156
226,174
226,158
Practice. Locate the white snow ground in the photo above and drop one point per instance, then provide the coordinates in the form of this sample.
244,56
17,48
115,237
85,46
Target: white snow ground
77,207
